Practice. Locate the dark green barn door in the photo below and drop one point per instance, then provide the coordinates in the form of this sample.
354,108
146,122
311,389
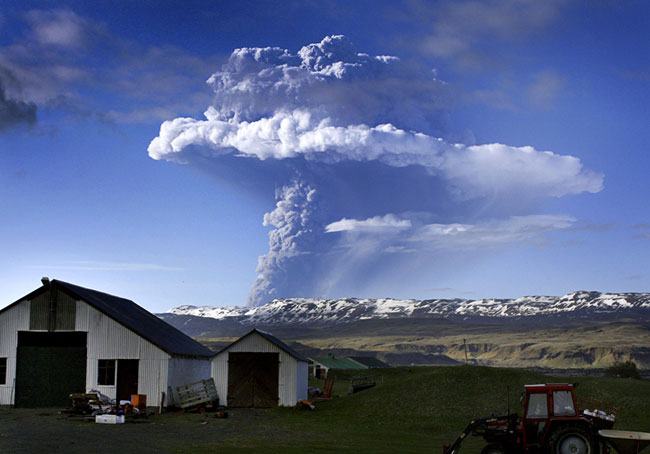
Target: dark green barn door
49,367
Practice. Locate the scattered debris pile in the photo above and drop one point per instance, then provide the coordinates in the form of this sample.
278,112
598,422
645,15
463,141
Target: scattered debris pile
103,409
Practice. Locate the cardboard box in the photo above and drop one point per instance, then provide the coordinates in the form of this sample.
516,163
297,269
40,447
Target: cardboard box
109,419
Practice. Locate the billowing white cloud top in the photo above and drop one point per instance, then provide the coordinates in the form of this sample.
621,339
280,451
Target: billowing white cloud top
389,222
474,170
271,104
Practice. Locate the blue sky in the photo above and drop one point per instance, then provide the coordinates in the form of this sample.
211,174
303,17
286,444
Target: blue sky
374,149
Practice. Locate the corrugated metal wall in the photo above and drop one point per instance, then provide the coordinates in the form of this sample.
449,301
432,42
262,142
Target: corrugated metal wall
303,380
107,339
292,379
11,321
39,314
39,319
183,371
66,311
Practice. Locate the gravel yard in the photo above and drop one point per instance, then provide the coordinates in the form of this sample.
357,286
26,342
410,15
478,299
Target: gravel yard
47,431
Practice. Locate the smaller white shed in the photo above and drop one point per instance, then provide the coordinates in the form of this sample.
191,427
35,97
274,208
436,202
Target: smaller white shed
259,370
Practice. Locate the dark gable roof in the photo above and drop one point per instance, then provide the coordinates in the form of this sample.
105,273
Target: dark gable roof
138,320
332,362
369,362
271,338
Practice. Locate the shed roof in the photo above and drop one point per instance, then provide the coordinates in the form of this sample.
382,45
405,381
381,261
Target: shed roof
271,338
134,317
332,362
369,362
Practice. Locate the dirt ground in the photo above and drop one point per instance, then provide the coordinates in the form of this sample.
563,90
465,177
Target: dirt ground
47,431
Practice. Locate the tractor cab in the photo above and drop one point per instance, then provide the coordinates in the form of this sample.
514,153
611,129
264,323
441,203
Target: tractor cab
545,407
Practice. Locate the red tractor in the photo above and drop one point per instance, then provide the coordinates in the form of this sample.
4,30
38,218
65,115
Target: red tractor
550,424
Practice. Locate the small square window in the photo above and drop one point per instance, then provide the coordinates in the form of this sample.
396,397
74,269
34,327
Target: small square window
3,371
563,404
537,408
106,372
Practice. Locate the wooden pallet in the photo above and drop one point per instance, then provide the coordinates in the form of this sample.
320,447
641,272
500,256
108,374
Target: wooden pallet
196,394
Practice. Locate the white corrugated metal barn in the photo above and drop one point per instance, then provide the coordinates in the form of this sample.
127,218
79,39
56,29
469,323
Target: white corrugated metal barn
259,370
62,339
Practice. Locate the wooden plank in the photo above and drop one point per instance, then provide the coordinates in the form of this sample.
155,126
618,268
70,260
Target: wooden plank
266,376
240,389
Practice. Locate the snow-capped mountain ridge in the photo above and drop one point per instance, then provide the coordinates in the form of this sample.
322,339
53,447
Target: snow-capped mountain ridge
343,310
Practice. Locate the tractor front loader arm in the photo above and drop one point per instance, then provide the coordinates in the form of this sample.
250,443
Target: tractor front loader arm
478,426
454,448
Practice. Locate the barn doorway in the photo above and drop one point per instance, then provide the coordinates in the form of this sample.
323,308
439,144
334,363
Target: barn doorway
253,379
127,378
49,367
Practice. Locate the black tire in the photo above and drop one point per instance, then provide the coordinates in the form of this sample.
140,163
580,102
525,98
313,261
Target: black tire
493,448
572,440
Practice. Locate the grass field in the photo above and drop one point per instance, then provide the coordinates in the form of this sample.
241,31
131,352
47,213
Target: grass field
419,409
414,410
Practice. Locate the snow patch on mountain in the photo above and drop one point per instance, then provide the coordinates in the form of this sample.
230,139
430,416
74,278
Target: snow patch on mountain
343,310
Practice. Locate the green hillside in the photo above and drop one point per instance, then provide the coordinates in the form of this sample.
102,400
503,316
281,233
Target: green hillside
417,410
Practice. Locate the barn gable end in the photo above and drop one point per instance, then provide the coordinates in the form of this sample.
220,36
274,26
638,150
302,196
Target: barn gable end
100,341
291,371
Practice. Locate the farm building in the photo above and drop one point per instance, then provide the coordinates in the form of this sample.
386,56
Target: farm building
62,338
369,362
321,366
259,370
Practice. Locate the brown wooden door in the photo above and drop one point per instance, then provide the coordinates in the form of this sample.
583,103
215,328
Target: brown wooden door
253,379
127,378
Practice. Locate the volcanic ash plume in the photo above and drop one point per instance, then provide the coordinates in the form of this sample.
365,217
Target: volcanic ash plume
293,236
364,130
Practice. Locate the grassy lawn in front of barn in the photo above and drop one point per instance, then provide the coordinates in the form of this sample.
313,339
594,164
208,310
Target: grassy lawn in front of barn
415,410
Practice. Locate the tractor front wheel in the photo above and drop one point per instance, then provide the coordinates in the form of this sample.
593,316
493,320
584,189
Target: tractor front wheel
572,440
493,448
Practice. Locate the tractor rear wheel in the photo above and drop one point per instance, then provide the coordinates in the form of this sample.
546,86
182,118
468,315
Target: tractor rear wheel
493,448
572,440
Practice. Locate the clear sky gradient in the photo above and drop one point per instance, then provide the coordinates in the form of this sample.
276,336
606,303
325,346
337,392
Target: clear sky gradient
102,184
